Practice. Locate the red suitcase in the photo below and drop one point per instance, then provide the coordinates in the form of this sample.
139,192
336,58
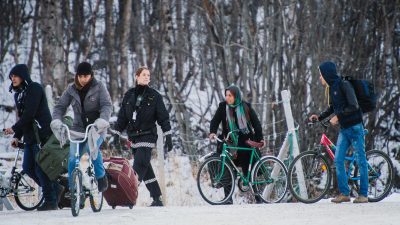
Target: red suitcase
122,183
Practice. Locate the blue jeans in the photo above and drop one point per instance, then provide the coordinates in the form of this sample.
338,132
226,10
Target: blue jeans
351,136
97,163
32,169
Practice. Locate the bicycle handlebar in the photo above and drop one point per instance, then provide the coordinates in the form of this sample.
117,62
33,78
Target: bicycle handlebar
323,123
227,136
78,141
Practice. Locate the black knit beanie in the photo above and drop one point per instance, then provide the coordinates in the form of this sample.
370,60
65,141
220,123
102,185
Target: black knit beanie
84,68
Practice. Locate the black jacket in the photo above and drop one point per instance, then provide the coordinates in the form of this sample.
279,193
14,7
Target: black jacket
343,98
220,116
34,108
150,111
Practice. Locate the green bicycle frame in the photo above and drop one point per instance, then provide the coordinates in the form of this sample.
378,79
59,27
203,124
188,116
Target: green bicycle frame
226,155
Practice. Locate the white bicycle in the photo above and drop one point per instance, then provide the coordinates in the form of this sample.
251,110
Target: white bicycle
83,185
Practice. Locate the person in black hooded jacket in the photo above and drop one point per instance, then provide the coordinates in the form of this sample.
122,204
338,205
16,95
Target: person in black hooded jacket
342,102
141,108
32,108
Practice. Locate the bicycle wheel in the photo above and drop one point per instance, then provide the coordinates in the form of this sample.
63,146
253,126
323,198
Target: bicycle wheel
27,192
95,197
309,177
215,186
269,179
380,175
76,191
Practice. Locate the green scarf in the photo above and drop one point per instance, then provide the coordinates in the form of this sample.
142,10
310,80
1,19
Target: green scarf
240,114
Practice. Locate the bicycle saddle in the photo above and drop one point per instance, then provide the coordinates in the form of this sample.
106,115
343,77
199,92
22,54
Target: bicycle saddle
254,144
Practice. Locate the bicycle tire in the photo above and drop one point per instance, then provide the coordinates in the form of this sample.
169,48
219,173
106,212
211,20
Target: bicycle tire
26,189
96,198
267,187
76,191
376,182
210,187
316,189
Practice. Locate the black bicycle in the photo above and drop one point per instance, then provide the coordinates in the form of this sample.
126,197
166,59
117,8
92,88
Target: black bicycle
26,191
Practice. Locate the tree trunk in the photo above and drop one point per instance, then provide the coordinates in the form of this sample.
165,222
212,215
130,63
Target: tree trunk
51,27
110,47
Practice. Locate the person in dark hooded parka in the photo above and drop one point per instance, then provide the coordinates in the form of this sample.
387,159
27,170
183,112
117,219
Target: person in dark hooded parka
343,104
32,108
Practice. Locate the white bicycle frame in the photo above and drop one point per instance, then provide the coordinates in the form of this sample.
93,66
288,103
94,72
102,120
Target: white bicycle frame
85,181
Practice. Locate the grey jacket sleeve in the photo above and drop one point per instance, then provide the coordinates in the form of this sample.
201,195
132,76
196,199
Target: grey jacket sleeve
350,95
61,107
105,103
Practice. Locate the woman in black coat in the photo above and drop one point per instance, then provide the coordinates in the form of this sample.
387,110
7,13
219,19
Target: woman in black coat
237,115
141,108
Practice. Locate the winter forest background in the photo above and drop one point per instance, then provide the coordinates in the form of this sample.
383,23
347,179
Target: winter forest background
195,48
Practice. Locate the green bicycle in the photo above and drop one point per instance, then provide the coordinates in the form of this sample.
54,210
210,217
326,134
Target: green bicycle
217,175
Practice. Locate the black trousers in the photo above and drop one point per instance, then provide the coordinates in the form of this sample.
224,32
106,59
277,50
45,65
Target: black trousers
143,168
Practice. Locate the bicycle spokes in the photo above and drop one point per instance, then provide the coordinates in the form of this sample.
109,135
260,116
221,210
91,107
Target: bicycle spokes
309,177
270,179
380,175
27,193
215,181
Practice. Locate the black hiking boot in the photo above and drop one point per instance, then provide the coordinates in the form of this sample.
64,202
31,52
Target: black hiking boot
228,202
258,199
60,190
102,184
46,206
157,202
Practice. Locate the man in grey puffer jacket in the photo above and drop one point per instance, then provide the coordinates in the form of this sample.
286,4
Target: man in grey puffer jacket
91,103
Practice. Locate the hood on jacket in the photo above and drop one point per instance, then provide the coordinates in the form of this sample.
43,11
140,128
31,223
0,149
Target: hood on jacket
22,71
328,71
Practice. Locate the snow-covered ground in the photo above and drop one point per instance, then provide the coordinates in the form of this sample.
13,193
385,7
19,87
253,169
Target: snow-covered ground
381,213
185,206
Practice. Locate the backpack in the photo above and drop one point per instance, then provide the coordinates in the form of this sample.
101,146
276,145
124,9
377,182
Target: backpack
52,158
365,93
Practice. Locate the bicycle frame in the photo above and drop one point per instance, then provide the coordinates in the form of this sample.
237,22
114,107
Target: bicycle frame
85,180
330,148
9,189
78,142
226,155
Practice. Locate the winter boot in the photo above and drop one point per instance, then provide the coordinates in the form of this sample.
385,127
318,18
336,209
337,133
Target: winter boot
157,202
258,199
229,201
59,190
102,184
46,206
361,199
341,198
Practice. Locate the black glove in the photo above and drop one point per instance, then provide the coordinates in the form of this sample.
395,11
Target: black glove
168,142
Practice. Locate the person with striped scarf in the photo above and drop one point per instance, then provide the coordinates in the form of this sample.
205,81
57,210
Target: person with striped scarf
239,117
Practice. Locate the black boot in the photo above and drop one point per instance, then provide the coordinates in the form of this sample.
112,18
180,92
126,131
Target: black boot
45,206
60,189
157,202
102,184
258,199
228,202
